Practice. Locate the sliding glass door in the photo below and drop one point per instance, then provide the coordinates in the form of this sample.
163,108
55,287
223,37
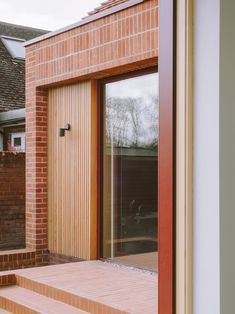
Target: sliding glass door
130,170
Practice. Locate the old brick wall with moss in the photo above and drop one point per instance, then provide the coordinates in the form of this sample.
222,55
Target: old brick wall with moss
12,201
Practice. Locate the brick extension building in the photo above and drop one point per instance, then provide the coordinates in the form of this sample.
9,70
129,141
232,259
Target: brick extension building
113,40
196,212
74,157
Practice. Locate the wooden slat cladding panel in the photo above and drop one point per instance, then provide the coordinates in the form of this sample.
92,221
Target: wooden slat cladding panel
72,172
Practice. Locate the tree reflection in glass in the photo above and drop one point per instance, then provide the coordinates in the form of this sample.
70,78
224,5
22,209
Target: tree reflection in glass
130,170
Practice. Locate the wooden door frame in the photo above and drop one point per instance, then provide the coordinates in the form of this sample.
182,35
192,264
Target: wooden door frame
166,177
100,130
176,104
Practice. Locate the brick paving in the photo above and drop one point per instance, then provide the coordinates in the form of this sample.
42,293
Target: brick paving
94,286
31,302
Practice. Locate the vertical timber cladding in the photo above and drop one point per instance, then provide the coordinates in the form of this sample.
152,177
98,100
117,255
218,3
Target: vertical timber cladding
72,170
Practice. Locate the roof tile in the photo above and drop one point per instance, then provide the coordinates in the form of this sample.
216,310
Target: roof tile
106,5
12,71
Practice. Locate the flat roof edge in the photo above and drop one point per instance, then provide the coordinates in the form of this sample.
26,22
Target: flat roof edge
12,115
85,21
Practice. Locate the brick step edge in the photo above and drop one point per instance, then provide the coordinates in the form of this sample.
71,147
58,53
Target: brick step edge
14,307
7,280
61,295
24,301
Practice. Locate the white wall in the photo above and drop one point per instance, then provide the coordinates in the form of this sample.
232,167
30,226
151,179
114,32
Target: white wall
227,156
206,280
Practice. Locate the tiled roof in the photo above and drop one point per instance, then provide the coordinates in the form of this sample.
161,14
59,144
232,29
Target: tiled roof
12,71
106,5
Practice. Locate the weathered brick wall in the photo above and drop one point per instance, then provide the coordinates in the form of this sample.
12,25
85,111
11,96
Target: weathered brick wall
12,200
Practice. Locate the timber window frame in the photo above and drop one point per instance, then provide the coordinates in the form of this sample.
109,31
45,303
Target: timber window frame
176,69
101,101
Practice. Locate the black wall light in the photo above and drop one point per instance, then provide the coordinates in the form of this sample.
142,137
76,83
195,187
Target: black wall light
65,128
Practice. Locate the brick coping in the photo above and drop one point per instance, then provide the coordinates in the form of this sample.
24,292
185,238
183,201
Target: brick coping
17,251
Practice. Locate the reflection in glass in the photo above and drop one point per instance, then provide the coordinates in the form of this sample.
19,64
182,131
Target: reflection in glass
130,171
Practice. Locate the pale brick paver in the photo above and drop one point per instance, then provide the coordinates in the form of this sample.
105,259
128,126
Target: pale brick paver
35,302
126,289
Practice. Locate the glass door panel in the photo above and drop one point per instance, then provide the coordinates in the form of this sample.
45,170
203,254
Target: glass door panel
130,171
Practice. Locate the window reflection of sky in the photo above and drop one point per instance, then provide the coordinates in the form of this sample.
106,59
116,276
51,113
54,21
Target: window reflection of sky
134,87
132,112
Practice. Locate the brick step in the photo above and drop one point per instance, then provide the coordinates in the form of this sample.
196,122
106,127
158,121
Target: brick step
19,300
4,311
75,300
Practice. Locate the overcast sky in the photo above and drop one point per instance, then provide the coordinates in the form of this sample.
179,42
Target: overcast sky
141,86
45,14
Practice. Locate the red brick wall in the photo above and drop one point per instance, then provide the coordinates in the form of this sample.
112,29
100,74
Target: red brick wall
119,43
16,259
12,200
36,173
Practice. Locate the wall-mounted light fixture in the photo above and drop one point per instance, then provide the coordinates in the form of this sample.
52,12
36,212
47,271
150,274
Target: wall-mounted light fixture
65,128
